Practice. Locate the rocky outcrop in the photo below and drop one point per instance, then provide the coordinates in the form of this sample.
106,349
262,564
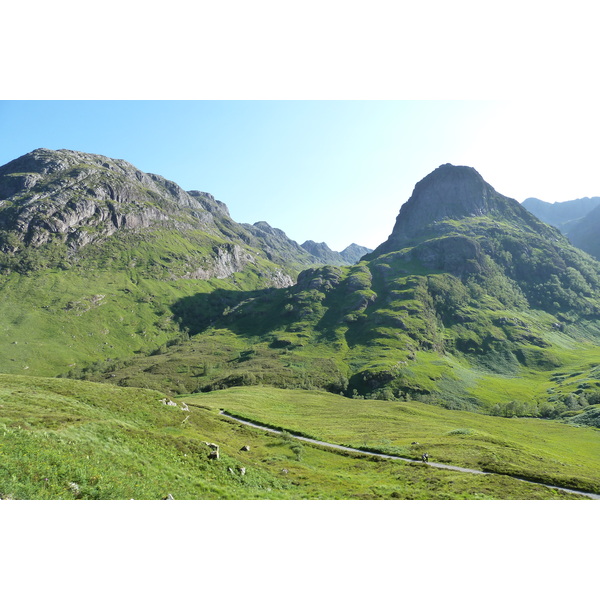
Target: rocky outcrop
81,198
450,193
458,255
226,260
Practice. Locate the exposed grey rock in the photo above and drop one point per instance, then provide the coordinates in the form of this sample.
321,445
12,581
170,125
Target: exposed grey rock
276,244
227,259
449,193
78,199
85,197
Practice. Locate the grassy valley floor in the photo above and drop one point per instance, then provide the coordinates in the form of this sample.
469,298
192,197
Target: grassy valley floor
63,439
546,451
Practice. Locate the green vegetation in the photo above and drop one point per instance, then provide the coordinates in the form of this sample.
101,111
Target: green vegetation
478,318
62,439
549,452
373,331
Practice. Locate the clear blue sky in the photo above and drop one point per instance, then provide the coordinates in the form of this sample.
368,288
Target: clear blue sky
333,171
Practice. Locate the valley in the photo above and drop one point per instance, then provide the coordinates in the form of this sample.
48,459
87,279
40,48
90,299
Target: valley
473,330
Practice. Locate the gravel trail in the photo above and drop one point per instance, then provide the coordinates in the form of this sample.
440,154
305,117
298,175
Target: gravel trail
392,457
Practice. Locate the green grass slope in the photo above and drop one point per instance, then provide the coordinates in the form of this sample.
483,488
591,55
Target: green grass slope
63,439
550,452
116,301
383,330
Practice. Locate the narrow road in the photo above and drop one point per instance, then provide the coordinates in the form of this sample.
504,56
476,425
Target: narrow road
392,457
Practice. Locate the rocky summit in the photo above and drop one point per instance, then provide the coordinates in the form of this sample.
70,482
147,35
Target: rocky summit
56,204
448,193
81,198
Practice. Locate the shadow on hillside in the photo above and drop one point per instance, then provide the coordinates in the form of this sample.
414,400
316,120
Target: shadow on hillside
244,313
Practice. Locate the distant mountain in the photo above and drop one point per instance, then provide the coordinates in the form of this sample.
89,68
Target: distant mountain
354,253
325,255
277,246
561,214
578,219
584,233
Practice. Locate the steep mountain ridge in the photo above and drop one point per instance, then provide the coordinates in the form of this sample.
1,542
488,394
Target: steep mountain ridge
61,202
66,193
583,233
276,245
578,219
94,253
354,253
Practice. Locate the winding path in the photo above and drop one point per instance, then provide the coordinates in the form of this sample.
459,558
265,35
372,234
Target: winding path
392,457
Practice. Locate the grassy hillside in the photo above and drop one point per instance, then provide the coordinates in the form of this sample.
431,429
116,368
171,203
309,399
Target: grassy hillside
115,303
550,452
62,439
374,330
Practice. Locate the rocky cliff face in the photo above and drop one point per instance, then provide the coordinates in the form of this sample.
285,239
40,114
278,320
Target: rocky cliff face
353,253
449,193
81,198
75,201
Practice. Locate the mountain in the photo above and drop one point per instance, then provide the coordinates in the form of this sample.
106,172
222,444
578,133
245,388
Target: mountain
354,253
276,245
471,303
93,253
71,206
447,195
111,275
561,214
583,233
326,256
578,219
323,253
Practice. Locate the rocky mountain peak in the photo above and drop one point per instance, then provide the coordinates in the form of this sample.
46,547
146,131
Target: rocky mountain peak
449,193
83,197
